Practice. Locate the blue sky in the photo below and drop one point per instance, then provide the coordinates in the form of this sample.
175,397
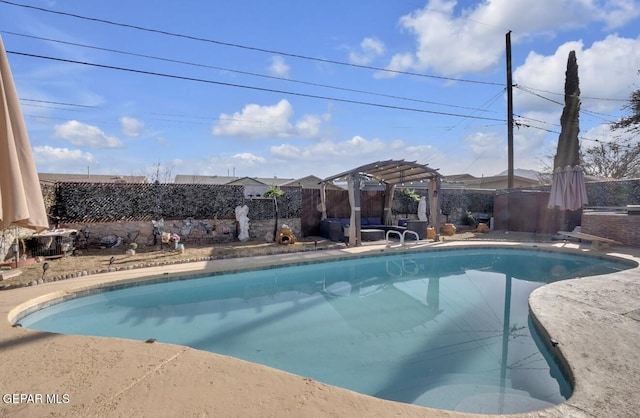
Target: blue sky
290,89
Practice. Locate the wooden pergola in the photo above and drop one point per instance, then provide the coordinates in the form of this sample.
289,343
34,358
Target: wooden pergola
391,173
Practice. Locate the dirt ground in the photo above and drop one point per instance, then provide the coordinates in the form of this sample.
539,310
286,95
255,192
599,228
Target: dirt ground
96,260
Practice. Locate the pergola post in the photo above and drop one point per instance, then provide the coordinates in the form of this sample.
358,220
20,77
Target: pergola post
354,202
323,200
388,203
434,206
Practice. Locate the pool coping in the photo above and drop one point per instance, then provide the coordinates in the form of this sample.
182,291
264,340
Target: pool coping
605,370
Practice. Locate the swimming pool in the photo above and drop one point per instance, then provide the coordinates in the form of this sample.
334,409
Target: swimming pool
444,329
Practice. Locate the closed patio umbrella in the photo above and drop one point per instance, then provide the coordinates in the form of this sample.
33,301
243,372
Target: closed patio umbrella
568,189
21,202
556,197
576,194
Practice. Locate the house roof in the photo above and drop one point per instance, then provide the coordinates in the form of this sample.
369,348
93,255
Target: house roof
522,173
524,178
89,178
196,179
390,172
309,182
245,181
458,177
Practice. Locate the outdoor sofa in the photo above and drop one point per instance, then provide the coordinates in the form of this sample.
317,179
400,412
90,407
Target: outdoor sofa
333,228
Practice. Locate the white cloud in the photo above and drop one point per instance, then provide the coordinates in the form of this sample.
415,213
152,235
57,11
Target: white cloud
240,164
278,67
443,30
399,62
617,13
247,158
371,48
257,121
441,37
356,148
47,153
81,134
478,154
481,143
547,75
603,133
131,127
309,126
61,160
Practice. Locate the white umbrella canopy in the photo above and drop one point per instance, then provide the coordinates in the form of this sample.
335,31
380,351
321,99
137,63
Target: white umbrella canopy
576,195
568,189
21,202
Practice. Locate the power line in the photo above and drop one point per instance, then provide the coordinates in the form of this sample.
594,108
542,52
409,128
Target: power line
579,137
562,94
220,83
526,90
156,119
537,120
56,103
240,72
490,102
246,47
597,115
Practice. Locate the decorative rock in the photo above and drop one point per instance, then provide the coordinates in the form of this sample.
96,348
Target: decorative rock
448,229
482,227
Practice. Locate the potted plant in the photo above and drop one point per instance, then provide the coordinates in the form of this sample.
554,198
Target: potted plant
409,198
132,248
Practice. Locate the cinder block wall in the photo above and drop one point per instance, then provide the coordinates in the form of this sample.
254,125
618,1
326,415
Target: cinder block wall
617,226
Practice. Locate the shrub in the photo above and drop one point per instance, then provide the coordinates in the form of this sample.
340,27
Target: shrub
469,219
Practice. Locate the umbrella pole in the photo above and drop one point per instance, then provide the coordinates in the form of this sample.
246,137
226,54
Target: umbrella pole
17,247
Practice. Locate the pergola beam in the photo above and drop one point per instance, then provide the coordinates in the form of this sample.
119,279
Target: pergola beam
394,172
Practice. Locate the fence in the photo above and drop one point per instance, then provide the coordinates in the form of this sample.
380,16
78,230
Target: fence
517,210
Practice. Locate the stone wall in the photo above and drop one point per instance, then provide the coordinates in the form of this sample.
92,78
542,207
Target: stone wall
616,226
191,231
199,214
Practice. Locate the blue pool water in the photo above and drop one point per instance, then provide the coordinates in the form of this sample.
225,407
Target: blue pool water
445,329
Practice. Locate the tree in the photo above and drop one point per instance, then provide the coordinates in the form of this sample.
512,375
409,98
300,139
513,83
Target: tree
409,198
274,193
618,160
158,173
568,152
630,123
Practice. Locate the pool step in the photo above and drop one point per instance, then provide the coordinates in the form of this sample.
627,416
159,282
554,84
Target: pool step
463,393
481,399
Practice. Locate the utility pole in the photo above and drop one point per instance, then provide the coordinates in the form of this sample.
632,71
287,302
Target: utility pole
509,115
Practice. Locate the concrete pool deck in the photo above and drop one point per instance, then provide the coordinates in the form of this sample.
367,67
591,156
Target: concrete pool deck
595,322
